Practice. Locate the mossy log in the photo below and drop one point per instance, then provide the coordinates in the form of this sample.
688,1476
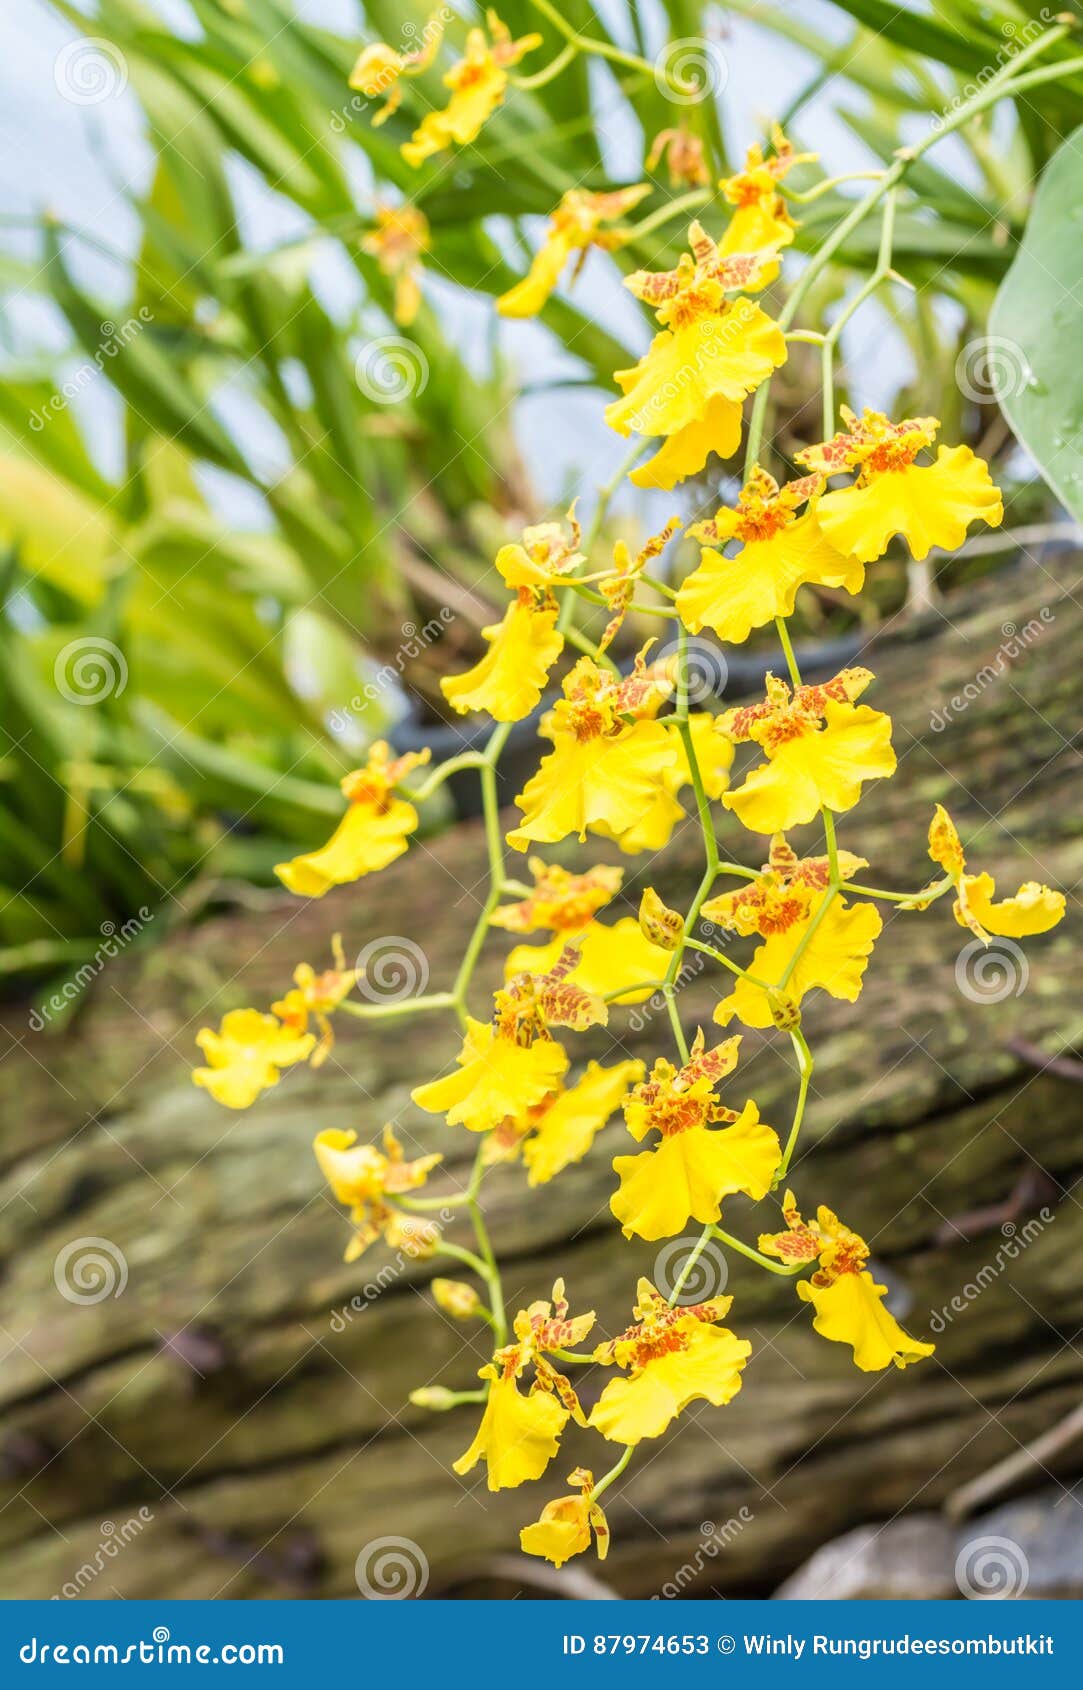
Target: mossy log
268,1437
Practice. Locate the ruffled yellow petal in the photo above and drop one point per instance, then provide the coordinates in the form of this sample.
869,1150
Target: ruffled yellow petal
366,839
509,680
928,504
686,1176
1034,909
608,781
462,118
754,227
611,957
734,595
245,1055
834,959
825,767
714,754
569,1126
851,1311
496,1077
518,1436
714,356
684,453
708,1369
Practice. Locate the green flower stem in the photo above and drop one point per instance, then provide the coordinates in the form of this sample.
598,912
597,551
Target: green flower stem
582,642
467,1257
659,586
550,72
605,49
492,1274
573,1357
787,650
467,760
690,1261
694,201
614,1472
594,528
928,894
638,986
806,938
404,1006
734,968
426,1205
755,1255
805,1064
585,592
828,185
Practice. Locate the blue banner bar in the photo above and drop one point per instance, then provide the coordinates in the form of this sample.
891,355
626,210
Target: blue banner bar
469,1645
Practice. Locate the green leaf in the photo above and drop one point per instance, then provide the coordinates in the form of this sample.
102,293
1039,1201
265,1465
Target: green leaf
1036,330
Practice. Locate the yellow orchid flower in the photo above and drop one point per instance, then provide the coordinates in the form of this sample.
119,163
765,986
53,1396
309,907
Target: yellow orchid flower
782,905
362,1178
478,83
686,1175
714,754
567,1523
928,504
684,156
820,749
371,834
563,1129
1034,908
611,957
245,1056
608,760
509,680
397,243
379,67
711,353
761,218
496,1077
543,556
519,1435
318,996
780,552
560,901
672,1356
575,226
848,1302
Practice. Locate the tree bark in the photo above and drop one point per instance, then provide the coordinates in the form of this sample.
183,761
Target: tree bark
261,1420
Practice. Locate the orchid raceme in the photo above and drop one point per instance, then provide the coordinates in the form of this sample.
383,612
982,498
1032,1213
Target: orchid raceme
633,751
575,226
848,1302
928,504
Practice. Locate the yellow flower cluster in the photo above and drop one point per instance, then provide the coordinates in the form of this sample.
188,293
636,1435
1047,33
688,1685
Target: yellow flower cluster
629,762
